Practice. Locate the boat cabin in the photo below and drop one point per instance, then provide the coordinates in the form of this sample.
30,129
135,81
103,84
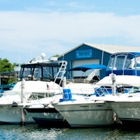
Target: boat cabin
43,70
124,63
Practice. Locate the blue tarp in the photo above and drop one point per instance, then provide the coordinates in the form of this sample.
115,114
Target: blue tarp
5,87
10,73
87,67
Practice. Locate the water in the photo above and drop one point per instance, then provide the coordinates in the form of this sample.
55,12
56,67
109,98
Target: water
34,132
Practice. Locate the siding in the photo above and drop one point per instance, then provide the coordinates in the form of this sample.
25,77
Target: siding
96,54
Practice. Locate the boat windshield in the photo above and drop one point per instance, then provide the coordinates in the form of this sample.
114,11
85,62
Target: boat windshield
134,90
123,62
116,62
38,72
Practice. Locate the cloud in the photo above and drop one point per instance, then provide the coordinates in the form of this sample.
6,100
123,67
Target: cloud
57,31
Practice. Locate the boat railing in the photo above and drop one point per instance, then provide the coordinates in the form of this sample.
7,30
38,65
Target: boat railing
82,91
12,96
103,90
45,94
59,91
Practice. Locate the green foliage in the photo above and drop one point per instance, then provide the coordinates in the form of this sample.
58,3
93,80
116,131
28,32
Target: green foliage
6,66
56,55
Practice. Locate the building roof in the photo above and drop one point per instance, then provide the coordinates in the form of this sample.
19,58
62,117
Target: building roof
108,48
114,48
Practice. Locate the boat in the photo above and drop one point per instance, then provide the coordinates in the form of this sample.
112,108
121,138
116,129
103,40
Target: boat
126,106
79,89
85,112
44,113
88,79
121,77
5,87
38,79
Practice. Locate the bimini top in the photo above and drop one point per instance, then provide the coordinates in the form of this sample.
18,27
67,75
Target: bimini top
87,67
131,53
124,63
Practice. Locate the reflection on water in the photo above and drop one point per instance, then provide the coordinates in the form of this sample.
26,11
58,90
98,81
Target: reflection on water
34,132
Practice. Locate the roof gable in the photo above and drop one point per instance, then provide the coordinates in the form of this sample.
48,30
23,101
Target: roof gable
108,48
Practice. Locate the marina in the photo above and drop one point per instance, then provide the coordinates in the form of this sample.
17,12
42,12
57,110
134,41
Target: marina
69,70
45,106
44,96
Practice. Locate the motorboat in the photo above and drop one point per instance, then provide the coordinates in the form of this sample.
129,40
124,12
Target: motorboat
86,83
122,75
5,87
126,106
79,89
44,113
84,112
38,79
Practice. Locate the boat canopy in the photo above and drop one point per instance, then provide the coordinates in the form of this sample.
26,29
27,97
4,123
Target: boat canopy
124,53
124,63
87,67
10,74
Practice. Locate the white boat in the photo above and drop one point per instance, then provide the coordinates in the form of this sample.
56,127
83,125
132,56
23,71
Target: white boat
45,114
87,84
85,112
38,79
78,89
126,106
119,76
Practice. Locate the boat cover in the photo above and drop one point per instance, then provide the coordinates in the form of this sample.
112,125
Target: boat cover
87,67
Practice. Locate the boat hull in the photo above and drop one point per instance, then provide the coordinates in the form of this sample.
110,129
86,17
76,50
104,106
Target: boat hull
86,114
127,112
47,117
12,114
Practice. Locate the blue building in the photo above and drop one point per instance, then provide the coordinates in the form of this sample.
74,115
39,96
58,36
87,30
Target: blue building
85,54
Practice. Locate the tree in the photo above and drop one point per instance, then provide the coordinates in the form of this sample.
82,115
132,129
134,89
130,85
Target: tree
6,66
56,55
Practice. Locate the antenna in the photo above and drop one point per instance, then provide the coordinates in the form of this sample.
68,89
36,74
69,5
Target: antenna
103,51
43,55
116,39
63,57
30,55
102,57
19,57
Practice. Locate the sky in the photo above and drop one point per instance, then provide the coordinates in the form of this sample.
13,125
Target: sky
31,27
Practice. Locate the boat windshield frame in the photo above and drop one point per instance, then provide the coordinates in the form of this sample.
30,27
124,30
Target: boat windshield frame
39,71
123,62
